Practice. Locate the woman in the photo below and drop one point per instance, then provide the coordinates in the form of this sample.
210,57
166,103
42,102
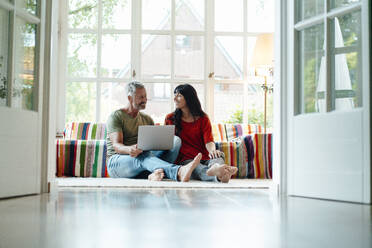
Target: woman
194,128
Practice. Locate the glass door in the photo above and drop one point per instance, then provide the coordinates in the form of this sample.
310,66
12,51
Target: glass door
20,110
329,92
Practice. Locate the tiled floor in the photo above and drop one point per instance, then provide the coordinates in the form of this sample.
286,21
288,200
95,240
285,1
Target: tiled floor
114,217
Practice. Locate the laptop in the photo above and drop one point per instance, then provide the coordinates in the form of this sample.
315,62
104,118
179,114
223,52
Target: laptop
152,137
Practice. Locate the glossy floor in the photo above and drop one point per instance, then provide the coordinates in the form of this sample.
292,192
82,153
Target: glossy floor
109,217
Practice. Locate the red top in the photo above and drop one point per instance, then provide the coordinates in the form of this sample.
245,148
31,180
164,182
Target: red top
194,136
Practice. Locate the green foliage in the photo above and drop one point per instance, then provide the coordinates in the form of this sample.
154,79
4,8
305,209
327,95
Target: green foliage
80,102
254,116
84,13
236,116
310,81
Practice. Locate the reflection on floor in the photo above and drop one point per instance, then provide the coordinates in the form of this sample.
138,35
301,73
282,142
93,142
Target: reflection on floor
141,183
115,217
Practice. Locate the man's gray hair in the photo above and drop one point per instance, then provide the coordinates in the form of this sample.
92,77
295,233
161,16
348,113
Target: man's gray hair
133,86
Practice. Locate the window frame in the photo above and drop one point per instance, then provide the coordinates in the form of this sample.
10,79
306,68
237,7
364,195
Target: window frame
15,11
208,81
326,18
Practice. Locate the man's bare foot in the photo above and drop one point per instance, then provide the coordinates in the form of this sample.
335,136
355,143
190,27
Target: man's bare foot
223,172
157,175
185,171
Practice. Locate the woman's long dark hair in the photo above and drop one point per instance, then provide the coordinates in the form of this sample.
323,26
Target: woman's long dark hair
192,101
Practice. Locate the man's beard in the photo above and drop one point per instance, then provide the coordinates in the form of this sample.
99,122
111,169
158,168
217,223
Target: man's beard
140,106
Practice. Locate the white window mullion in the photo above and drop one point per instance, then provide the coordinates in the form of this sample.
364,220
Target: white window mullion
62,65
81,31
245,64
173,46
99,55
136,45
173,38
209,58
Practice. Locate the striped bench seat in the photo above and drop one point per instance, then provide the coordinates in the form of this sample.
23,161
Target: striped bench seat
82,151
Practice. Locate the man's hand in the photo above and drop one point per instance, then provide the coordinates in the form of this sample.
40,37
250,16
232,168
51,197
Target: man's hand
215,154
134,151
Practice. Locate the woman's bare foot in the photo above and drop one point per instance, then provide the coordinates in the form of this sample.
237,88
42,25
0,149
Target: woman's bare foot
217,170
231,170
185,171
223,172
157,175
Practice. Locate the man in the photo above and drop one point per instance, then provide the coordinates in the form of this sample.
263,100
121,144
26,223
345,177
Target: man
124,158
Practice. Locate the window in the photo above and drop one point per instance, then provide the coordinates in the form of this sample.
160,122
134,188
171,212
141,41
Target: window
161,43
19,24
329,56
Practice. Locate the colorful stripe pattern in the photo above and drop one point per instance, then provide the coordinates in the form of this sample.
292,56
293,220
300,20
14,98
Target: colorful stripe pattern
252,128
85,131
251,154
228,132
81,158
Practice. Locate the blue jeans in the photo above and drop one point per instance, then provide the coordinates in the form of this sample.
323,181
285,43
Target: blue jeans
200,172
125,166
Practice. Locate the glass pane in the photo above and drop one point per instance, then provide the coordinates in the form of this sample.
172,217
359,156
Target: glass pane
81,102
260,16
347,29
190,15
255,101
4,20
156,14
251,44
29,5
82,55
156,56
113,97
228,57
312,70
228,102
116,54
158,101
228,15
309,8
24,94
341,3
348,82
117,14
189,57
83,14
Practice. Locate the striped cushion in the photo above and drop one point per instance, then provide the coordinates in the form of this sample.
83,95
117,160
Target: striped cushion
85,131
218,132
235,155
233,131
252,128
251,155
262,162
81,158
228,132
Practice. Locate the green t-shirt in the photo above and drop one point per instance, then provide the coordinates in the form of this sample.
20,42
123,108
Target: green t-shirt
119,121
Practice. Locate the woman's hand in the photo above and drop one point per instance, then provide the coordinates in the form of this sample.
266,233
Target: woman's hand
215,154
